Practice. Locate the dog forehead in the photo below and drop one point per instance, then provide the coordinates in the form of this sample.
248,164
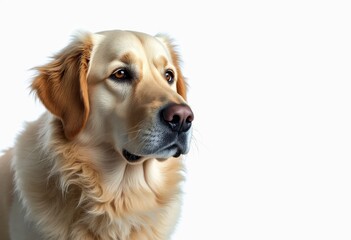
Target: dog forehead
117,42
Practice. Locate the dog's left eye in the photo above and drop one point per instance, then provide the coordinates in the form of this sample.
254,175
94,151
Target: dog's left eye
121,74
169,76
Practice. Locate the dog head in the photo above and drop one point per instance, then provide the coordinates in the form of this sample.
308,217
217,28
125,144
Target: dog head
123,88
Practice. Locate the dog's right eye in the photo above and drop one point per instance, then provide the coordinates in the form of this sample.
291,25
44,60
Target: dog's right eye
169,75
121,74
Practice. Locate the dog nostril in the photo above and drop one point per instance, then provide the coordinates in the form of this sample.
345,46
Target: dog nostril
178,117
175,119
190,118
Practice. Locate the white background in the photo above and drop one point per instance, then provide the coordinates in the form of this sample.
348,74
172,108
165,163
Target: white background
270,86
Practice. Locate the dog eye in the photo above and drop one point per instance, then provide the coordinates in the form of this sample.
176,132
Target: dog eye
169,76
121,74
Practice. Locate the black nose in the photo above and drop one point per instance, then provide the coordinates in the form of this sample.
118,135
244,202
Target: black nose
178,117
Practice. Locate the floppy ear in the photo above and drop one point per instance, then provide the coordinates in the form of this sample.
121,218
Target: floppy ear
181,83
62,87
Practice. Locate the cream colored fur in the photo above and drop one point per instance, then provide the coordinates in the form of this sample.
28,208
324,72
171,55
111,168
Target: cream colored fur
66,177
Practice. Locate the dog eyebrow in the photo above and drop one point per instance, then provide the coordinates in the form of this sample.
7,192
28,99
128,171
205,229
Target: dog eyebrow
128,58
161,60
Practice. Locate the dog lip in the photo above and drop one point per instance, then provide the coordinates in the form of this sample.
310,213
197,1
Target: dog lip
178,153
130,157
179,150
173,150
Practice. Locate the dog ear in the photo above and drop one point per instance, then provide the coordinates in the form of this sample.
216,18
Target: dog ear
181,83
61,85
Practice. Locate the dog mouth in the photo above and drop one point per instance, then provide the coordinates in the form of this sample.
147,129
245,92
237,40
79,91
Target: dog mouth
133,158
130,156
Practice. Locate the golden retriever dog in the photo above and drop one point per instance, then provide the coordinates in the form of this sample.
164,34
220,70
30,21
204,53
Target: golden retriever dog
104,162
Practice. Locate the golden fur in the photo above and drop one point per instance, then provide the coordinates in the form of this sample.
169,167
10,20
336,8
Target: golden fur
67,168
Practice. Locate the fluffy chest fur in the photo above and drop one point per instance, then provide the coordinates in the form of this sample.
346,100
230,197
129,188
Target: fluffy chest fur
67,194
